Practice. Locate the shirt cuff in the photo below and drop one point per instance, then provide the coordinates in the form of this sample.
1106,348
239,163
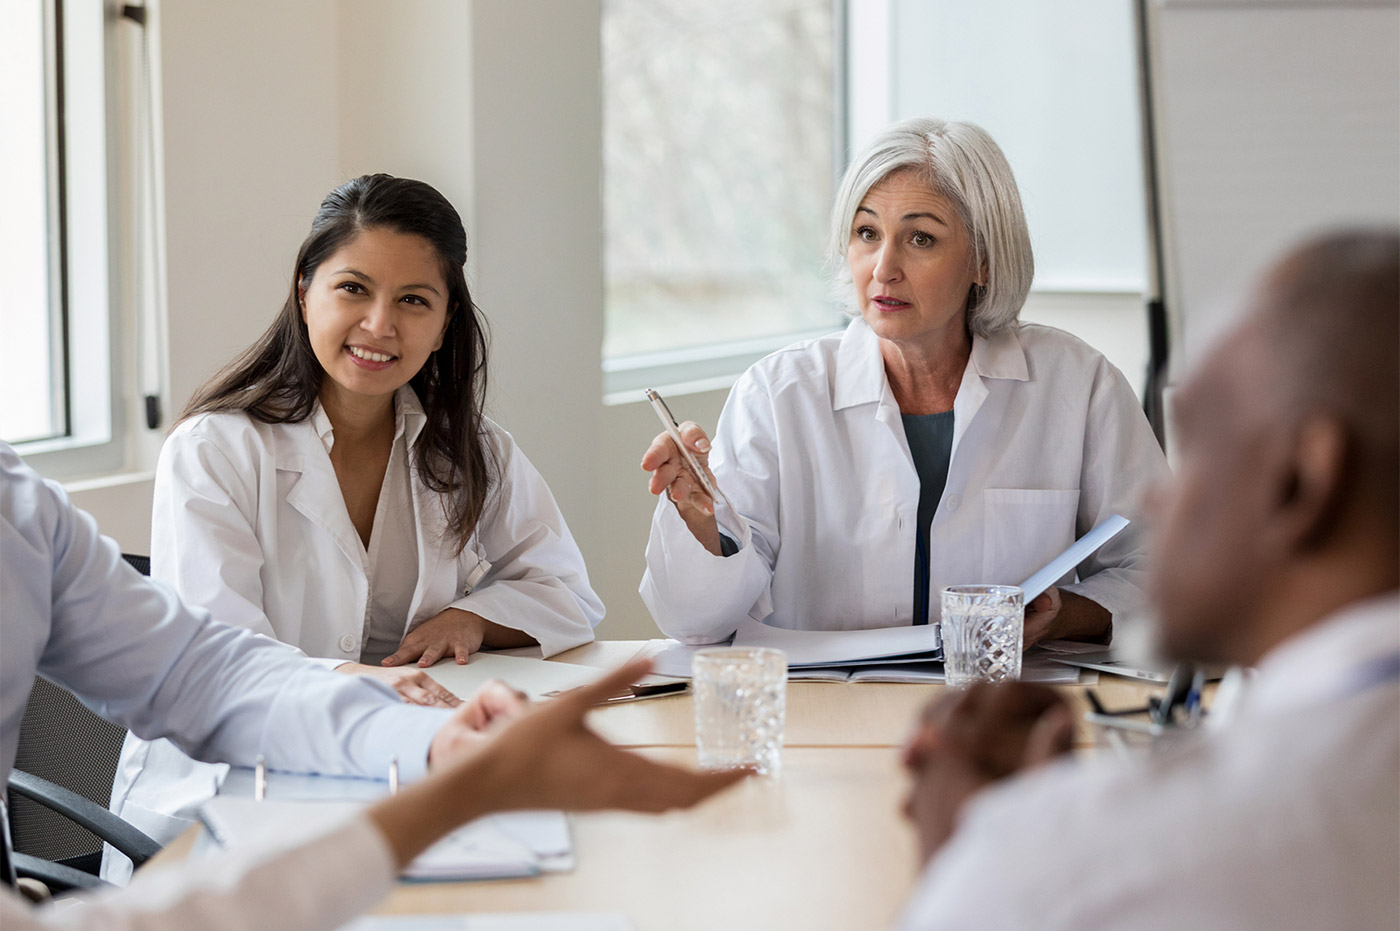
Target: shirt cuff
405,732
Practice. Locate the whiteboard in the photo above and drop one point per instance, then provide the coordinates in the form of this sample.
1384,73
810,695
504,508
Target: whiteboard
1274,120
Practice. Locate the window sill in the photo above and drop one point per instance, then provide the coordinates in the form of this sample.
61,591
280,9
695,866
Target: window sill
679,372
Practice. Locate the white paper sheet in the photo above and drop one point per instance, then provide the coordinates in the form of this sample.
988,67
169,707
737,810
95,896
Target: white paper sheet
535,677
1078,551
520,843
818,647
479,850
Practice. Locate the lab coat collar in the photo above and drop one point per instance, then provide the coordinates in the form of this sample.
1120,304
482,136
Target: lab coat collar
409,419
318,498
1324,661
860,368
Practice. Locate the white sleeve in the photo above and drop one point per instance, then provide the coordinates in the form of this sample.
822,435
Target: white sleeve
1121,462
129,649
695,596
203,537
537,582
318,884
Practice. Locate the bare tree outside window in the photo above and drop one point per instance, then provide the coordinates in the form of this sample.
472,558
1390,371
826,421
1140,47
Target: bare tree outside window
718,170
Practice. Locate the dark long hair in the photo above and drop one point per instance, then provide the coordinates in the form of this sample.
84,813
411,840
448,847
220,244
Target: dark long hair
277,379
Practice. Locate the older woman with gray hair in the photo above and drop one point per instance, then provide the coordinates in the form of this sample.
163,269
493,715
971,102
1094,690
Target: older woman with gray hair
936,441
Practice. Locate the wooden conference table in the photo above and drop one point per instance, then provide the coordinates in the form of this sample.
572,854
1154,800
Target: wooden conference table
821,845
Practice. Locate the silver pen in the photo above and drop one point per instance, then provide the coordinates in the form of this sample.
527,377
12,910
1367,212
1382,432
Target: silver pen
260,779
668,420
394,776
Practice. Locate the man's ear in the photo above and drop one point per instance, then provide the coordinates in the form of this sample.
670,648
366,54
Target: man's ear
1311,497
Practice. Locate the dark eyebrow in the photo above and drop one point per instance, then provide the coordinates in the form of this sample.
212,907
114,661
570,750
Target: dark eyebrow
908,216
409,287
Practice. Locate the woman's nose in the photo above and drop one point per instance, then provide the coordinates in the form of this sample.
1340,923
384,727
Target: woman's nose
887,264
380,319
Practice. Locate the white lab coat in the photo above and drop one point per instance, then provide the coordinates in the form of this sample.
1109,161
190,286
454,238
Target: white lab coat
1048,440
249,523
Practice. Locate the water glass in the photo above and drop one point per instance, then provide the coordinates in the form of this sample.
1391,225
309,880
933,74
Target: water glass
740,704
983,627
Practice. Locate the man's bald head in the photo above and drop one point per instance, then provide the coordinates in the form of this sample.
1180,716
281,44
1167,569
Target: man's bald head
1330,311
1286,503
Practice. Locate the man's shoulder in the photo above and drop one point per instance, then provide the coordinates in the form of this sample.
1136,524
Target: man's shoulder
1212,815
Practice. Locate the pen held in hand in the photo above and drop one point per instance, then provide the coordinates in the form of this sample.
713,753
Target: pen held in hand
673,429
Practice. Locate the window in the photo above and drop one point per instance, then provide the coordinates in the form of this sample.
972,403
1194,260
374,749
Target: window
30,231
54,236
721,142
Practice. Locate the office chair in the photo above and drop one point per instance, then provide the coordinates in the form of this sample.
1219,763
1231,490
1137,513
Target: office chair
60,787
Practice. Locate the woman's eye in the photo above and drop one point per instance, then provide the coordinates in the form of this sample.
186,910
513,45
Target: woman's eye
865,234
415,299
921,239
353,287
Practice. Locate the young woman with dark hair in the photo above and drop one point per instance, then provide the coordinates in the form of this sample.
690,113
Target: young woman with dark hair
338,487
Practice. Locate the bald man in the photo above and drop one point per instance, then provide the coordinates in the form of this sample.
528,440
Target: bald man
1278,547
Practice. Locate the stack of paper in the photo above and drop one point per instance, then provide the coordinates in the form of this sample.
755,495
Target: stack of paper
890,654
502,846
537,678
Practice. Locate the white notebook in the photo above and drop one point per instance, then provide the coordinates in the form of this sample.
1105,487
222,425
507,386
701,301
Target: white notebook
496,847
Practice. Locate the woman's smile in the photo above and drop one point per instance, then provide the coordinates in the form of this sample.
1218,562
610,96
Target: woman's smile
374,360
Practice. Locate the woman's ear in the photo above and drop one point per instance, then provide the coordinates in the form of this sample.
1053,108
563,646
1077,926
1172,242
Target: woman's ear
301,296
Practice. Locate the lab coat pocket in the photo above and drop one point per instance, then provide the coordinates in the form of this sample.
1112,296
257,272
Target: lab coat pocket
1023,529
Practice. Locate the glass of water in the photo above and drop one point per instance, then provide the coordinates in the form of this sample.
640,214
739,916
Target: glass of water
982,633
740,705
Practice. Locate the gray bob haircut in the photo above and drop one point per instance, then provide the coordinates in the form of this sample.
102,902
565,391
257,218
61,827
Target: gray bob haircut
963,163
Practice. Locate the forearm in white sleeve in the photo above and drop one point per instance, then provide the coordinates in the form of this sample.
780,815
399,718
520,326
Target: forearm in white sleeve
129,649
694,595
537,582
317,884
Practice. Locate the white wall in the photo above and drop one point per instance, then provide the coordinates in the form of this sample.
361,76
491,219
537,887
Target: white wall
1275,120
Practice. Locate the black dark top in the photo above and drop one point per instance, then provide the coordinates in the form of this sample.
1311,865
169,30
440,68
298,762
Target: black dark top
930,439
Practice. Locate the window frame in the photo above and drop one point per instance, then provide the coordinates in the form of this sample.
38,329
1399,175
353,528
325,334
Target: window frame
85,315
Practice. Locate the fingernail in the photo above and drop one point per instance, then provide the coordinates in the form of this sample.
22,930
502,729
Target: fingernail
703,445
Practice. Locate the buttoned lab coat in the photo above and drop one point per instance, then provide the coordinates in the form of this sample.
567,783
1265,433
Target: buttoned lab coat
249,522
1048,440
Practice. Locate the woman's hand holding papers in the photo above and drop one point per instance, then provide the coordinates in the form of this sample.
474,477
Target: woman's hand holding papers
545,758
969,739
